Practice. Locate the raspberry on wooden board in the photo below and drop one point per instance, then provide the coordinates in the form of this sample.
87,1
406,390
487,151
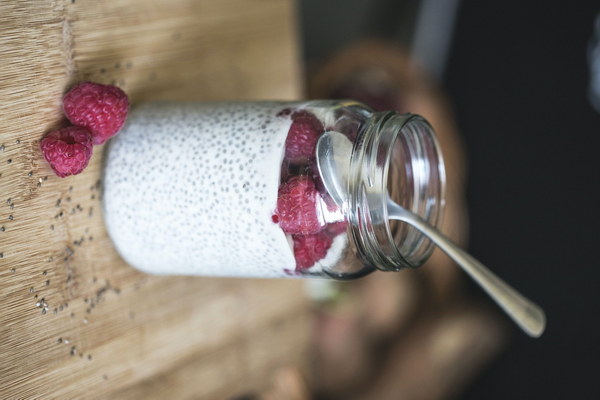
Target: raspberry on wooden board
67,150
100,108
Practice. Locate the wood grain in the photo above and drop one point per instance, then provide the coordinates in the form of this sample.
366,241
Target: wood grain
75,321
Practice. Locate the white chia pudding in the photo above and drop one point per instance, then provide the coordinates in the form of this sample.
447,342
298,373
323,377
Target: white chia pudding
190,188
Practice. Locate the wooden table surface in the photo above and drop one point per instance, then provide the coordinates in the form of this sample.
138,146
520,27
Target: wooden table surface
75,320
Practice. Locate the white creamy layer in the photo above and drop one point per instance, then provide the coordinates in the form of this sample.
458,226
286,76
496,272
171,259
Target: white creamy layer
189,188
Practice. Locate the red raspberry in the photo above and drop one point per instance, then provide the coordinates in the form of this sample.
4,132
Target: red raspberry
302,137
100,108
308,249
68,150
298,206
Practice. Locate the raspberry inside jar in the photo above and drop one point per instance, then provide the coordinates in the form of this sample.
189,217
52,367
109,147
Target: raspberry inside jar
305,212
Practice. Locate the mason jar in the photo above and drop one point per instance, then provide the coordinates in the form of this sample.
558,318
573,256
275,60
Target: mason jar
235,189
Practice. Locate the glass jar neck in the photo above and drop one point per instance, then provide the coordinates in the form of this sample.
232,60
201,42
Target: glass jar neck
395,156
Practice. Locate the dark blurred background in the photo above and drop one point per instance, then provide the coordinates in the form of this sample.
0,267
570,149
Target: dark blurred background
518,78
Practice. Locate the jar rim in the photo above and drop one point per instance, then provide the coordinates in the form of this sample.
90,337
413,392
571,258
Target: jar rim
402,146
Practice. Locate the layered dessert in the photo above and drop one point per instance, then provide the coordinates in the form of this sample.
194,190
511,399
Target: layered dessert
226,189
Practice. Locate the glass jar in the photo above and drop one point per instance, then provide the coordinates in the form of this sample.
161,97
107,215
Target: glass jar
234,189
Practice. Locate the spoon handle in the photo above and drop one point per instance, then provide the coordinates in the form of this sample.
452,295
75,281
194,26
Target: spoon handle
526,314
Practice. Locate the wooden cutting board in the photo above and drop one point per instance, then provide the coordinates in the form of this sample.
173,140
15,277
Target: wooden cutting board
75,320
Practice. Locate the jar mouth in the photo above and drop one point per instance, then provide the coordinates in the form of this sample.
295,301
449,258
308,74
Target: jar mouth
396,156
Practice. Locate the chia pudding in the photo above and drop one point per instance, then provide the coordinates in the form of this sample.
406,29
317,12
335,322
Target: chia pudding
225,189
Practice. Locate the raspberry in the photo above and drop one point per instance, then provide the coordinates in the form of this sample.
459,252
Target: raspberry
302,137
100,108
68,150
308,249
298,206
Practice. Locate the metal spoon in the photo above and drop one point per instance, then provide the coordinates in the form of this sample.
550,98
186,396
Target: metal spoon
334,151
